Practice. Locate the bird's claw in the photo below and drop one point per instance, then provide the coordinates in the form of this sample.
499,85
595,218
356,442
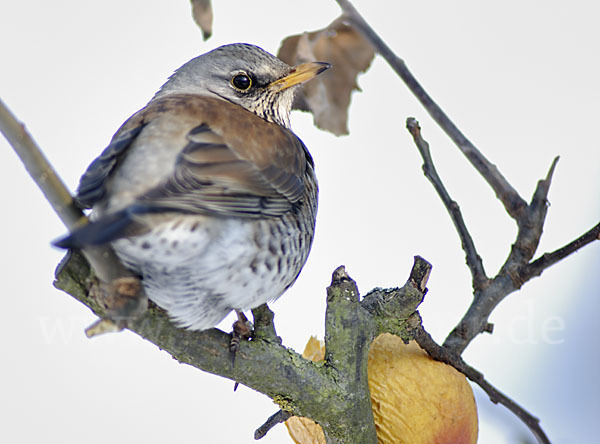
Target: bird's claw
242,330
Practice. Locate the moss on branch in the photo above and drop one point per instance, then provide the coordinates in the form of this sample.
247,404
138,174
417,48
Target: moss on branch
335,393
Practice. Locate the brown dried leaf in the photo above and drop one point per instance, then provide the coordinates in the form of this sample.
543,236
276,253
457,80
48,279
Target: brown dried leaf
203,16
328,96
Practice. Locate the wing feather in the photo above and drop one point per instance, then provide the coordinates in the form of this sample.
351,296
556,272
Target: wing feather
231,163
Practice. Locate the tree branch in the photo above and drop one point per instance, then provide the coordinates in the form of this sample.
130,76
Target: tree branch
530,225
488,294
444,355
39,169
474,261
536,267
120,291
513,203
530,218
517,269
272,421
300,387
268,367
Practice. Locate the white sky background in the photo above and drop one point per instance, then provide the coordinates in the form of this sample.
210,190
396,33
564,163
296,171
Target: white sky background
519,78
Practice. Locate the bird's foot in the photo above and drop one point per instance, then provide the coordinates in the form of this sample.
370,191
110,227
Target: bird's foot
242,330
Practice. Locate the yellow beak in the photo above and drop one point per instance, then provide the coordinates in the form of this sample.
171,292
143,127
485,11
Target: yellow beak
300,74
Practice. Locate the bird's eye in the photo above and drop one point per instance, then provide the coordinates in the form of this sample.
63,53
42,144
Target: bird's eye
241,82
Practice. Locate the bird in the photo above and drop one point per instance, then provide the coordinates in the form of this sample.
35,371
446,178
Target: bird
206,193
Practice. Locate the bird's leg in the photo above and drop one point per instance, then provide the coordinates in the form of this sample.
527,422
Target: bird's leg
242,329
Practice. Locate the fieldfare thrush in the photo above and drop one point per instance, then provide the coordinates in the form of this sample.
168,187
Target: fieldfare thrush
206,193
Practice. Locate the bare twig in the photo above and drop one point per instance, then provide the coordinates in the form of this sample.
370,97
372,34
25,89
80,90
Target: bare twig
40,169
530,225
536,267
517,269
473,259
122,291
442,354
513,203
529,218
272,421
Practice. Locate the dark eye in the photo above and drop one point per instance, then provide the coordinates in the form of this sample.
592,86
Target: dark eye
241,81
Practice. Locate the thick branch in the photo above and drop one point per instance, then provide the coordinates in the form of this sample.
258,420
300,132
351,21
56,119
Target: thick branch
513,203
334,394
474,261
349,330
121,291
268,367
444,355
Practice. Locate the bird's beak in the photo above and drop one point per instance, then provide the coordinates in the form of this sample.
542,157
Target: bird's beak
300,74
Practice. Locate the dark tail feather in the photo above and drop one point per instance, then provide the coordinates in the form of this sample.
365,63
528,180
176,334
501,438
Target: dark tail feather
102,231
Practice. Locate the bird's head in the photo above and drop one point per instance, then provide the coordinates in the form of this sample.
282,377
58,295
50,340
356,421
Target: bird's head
246,75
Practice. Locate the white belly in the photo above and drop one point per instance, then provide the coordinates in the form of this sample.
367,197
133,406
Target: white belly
199,268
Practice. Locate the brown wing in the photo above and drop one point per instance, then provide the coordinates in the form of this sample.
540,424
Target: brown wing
229,163
234,163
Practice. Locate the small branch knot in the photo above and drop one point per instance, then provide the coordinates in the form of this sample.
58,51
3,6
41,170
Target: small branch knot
127,286
419,275
488,328
413,126
514,273
340,275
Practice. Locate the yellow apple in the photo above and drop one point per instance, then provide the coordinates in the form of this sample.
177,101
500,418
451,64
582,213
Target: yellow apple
415,399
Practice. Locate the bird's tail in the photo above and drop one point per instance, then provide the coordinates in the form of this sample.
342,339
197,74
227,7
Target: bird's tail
106,229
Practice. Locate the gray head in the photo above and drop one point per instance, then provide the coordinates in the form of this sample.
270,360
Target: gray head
246,75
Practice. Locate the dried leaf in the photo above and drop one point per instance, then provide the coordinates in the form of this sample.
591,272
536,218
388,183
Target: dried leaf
203,16
328,96
305,431
314,350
